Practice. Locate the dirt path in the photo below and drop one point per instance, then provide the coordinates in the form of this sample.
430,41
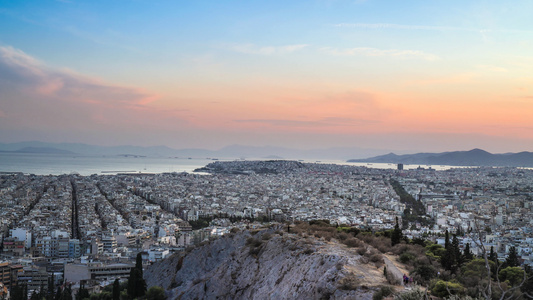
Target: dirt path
392,269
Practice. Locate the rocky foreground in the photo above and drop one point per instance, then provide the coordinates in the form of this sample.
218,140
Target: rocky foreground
269,264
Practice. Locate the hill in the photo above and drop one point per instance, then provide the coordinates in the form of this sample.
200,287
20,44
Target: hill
272,264
474,157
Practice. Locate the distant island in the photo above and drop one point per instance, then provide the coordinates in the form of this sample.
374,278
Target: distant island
474,157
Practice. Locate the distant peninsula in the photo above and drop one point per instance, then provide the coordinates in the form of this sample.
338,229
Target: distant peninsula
40,150
474,157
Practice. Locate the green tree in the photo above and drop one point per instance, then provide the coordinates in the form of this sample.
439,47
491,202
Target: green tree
513,275
446,288
447,260
493,255
456,254
66,294
467,253
136,283
396,235
116,290
459,231
512,259
19,292
139,262
425,273
51,287
58,294
82,293
156,293
435,250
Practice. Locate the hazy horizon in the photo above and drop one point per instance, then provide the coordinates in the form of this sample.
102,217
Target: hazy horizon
404,76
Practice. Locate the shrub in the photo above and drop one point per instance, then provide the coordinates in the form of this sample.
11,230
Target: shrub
253,242
361,250
180,263
266,236
352,242
416,294
254,251
349,283
383,292
407,257
376,257
173,284
400,248
342,236
379,264
308,251
383,245
320,222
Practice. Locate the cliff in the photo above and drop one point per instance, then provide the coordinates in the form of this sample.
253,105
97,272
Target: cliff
268,264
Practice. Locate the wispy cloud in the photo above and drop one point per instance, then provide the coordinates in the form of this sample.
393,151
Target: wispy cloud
22,69
396,26
35,95
424,27
325,122
366,51
264,50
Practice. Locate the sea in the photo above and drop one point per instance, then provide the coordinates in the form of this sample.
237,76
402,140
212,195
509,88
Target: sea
57,164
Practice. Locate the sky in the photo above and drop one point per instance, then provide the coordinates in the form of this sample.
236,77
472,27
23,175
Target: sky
406,76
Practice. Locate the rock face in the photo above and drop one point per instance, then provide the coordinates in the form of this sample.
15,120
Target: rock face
269,264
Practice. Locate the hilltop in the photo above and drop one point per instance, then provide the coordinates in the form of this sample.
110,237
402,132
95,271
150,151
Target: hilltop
274,264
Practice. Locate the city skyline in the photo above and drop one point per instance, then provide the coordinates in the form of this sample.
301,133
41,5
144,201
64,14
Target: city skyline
403,76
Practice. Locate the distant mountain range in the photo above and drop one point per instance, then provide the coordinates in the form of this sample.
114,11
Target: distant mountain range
229,152
475,157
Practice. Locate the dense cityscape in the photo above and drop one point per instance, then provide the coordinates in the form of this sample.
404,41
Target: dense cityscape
89,229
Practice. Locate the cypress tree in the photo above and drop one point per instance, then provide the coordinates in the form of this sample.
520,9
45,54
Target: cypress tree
139,263
493,255
459,231
467,254
447,258
82,293
396,235
58,294
116,290
457,259
67,293
51,287
136,283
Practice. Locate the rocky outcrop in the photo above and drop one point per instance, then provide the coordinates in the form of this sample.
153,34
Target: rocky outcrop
267,264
